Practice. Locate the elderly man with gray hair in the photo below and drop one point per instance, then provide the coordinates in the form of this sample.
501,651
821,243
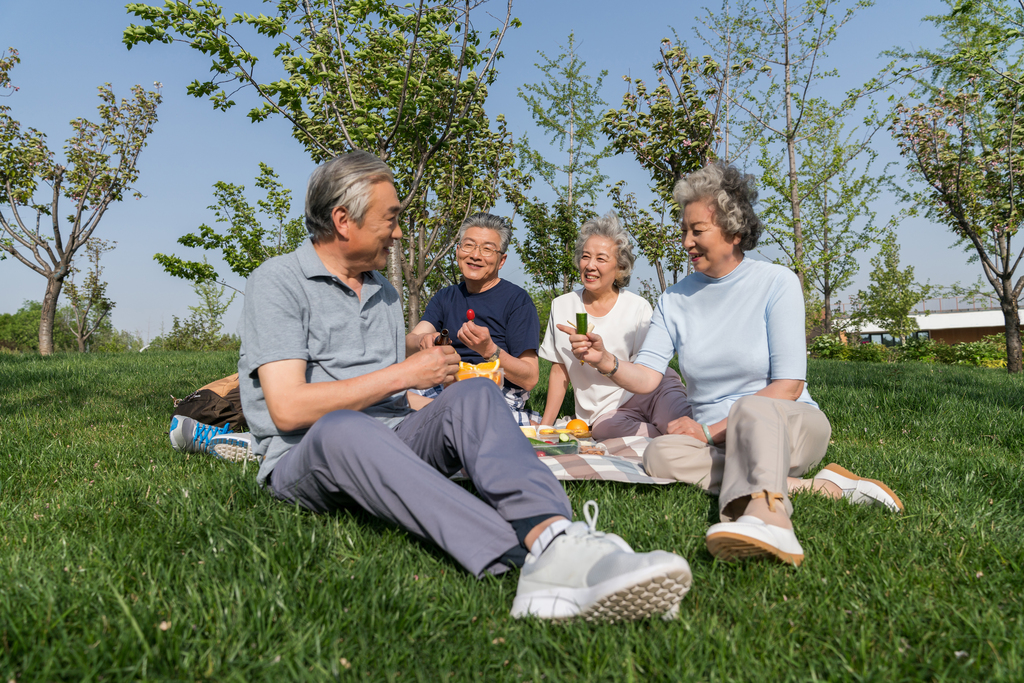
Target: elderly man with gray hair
503,325
324,380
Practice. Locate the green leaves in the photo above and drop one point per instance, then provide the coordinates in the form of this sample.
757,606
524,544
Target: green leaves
246,243
100,167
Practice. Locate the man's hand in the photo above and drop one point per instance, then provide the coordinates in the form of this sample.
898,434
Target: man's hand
478,338
427,341
587,347
436,365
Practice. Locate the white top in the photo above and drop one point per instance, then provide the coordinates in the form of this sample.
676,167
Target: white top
623,330
733,334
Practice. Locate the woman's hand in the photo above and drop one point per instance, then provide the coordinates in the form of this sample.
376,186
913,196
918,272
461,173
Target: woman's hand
589,348
688,426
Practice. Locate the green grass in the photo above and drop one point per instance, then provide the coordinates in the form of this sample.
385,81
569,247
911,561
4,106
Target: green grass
106,533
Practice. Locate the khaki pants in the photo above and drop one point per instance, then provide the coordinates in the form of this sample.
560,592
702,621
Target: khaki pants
766,441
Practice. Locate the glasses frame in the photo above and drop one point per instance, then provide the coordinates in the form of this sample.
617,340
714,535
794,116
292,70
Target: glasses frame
486,250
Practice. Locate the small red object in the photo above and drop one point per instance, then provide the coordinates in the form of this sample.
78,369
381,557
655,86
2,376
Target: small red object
470,315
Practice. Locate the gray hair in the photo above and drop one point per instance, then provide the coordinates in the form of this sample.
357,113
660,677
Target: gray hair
732,195
608,226
345,180
488,221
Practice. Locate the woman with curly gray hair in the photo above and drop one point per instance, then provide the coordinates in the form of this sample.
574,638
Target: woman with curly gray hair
605,258
738,327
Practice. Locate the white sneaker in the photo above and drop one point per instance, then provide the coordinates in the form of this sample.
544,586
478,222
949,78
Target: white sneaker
597,576
749,536
859,490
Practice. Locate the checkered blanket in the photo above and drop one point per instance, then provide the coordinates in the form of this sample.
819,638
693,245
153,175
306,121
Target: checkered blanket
623,462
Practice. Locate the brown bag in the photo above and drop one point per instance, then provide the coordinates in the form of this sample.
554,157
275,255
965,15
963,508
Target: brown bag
218,403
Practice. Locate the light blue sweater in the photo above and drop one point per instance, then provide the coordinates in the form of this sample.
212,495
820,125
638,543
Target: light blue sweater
733,334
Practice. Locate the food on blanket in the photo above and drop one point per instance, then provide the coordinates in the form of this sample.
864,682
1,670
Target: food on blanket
563,437
491,370
549,431
591,450
540,454
578,427
529,432
470,314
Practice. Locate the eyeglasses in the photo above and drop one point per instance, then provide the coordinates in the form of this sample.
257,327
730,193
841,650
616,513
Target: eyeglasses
486,250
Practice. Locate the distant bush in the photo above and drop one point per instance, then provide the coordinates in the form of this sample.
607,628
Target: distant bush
989,352
830,347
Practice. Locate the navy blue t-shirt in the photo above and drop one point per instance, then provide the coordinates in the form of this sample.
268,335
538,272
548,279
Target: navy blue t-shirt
505,309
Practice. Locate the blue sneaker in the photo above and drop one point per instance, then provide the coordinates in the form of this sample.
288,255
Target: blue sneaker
193,437
233,447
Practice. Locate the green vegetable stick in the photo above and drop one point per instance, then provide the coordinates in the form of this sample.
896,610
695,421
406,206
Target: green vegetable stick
581,326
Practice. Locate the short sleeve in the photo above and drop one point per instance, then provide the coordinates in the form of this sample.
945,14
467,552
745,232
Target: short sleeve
522,332
643,323
273,325
658,347
434,313
787,343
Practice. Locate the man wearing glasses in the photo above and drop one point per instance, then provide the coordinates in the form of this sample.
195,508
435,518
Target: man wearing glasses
504,324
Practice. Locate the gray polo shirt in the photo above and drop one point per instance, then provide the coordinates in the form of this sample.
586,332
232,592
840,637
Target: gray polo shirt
295,308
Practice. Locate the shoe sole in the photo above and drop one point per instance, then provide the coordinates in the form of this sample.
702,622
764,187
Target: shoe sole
637,595
233,452
842,471
728,546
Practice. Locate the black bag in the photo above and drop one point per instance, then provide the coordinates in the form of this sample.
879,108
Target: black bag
217,404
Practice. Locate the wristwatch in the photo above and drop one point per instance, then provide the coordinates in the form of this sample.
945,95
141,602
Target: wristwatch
497,352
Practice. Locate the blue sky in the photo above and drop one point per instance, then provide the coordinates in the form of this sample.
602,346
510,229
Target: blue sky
69,47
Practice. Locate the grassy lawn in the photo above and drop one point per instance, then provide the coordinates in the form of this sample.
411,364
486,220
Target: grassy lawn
122,559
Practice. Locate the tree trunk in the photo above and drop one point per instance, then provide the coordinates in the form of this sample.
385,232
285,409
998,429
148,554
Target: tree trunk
395,267
46,316
828,311
1011,317
414,308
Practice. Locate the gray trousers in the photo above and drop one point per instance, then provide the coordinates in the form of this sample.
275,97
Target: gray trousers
402,476
766,441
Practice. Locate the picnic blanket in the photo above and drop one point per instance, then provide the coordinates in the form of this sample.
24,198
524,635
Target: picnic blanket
623,462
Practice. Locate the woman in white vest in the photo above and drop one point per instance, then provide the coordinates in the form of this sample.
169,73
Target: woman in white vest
737,326
605,258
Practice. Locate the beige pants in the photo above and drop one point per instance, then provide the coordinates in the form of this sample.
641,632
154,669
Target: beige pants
766,441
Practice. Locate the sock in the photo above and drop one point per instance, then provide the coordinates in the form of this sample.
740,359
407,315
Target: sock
553,531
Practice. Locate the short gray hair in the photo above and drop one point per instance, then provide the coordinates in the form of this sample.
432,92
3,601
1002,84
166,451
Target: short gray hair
732,195
345,180
608,226
488,221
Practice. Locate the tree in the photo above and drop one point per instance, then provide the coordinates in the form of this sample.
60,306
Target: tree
471,176
783,43
836,190
201,330
89,305
671,132
401,81
246,243
550,245
566,105
891,294
19,331
100,167
965,143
